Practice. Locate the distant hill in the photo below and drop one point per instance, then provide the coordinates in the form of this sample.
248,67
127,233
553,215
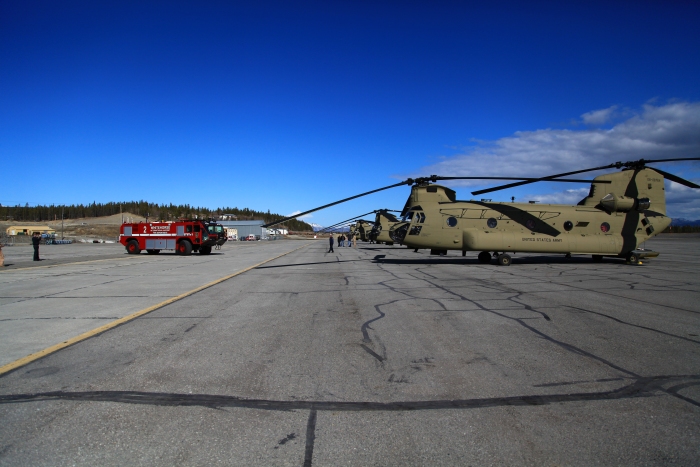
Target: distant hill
140,208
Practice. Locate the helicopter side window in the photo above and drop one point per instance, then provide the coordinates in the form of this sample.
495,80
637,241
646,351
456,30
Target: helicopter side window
421,217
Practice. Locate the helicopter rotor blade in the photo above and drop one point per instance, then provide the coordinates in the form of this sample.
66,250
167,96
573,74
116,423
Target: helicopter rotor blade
542,179
617,165
356,217
644,161
513,178
675,178
345,221
405,182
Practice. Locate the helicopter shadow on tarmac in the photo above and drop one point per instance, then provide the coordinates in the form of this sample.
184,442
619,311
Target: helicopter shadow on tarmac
516,260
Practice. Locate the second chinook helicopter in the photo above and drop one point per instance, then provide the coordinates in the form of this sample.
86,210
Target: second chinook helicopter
622,210
383,223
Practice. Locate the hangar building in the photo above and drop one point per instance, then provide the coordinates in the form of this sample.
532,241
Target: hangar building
245,228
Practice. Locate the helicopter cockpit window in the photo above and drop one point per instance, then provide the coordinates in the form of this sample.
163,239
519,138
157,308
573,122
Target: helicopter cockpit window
408,216
420,217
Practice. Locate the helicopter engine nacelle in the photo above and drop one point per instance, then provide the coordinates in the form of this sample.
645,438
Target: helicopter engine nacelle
616,203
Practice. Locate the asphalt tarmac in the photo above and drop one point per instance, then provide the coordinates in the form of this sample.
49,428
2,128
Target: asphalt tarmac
368,356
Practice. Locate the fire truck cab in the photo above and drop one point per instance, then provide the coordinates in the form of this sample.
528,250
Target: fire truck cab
184,236
218,231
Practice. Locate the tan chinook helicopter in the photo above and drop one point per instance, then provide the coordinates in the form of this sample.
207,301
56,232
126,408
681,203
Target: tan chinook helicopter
622,210
383,223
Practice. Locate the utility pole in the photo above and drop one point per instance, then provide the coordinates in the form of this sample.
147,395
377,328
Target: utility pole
61,222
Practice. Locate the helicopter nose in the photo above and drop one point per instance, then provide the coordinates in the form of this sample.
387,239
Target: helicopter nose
398,234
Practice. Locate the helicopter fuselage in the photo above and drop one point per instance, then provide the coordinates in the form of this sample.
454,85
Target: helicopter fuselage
617,216
541,228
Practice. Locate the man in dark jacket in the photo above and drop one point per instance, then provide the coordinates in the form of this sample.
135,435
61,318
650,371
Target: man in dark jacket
36,238
330,240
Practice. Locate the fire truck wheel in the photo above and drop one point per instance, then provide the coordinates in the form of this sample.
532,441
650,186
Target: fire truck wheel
133,247
153,252
205,250
184,248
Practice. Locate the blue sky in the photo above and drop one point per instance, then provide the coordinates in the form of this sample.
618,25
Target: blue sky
289,105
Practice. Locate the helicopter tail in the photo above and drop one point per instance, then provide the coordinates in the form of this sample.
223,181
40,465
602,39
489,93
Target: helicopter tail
630,190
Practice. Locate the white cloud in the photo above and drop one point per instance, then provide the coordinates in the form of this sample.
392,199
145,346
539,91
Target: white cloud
572,196
682,201
661,132
598,117
655,132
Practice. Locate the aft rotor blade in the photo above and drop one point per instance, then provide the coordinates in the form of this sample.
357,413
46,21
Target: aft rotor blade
543,179
511,178
405,182
617,165
669,160
675,178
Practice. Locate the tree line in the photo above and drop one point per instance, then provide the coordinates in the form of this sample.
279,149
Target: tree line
682,229
155,212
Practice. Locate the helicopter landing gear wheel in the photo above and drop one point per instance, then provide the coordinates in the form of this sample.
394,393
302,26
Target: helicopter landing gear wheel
484,257
633,258
504,260
597,258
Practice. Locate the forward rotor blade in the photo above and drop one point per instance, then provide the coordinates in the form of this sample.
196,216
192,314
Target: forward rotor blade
675,178
405,182
347,220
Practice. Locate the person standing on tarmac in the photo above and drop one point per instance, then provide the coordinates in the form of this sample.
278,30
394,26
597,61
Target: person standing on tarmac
36,238
330,241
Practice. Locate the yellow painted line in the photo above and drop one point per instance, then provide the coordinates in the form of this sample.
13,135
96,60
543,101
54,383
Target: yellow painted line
55,348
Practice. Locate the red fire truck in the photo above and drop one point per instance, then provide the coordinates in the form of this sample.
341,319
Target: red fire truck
184,236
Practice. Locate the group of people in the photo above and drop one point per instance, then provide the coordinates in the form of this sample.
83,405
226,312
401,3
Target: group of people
341,241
